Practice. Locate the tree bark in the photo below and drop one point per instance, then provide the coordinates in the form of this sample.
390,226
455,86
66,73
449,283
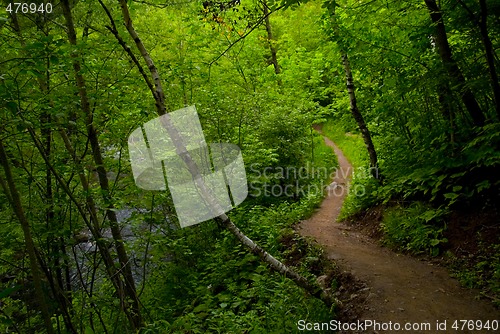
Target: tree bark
358,117
16,204
133,314
488,48
270,40
451,65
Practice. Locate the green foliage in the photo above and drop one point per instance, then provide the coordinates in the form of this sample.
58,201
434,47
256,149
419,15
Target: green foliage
416,228
239,101
199,279
348,139
483,273
470,178
362,194
213,284
204,280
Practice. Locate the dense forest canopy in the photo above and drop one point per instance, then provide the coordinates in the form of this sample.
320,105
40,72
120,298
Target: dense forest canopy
83,249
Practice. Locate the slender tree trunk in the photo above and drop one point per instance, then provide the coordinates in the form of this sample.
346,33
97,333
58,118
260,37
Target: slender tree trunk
488,47
134,313
270,40
15,199
111,270
451,65
358,117
205,192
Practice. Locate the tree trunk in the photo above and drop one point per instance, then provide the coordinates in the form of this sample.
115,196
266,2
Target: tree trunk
276,265
133,314
488,47
444,93
10,190
270,40
451,65
358,117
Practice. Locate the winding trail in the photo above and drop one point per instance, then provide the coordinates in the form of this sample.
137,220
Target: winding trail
399,288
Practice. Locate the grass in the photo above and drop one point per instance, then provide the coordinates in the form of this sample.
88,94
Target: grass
350,143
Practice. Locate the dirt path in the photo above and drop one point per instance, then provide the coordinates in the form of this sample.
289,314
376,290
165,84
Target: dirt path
400,288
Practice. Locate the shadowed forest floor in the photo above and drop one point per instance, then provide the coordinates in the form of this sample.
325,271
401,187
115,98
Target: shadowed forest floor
398,288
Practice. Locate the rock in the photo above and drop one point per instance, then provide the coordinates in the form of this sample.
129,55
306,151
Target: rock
321,280
82,236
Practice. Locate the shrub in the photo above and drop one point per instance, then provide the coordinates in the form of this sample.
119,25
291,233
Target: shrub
417,228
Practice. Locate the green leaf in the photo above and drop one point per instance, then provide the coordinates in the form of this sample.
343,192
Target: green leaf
485,184
451,196
9,291
12,106
201,308
54,60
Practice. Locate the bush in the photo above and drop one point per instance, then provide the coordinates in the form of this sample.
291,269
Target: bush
417,228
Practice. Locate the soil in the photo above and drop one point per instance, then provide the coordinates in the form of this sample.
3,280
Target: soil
381,285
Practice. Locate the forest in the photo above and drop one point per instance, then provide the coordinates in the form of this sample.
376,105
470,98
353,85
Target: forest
91,241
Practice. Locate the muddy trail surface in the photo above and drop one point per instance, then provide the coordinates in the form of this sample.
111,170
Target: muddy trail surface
395,288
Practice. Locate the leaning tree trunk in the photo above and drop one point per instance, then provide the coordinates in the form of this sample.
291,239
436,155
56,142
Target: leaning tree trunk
358,117
451,65
131,307
159,97
356,114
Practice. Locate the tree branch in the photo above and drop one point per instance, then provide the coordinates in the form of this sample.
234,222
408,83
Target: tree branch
125,47
255,26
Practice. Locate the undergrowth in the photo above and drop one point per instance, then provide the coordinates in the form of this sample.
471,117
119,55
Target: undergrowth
480,270
211,283
417,228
